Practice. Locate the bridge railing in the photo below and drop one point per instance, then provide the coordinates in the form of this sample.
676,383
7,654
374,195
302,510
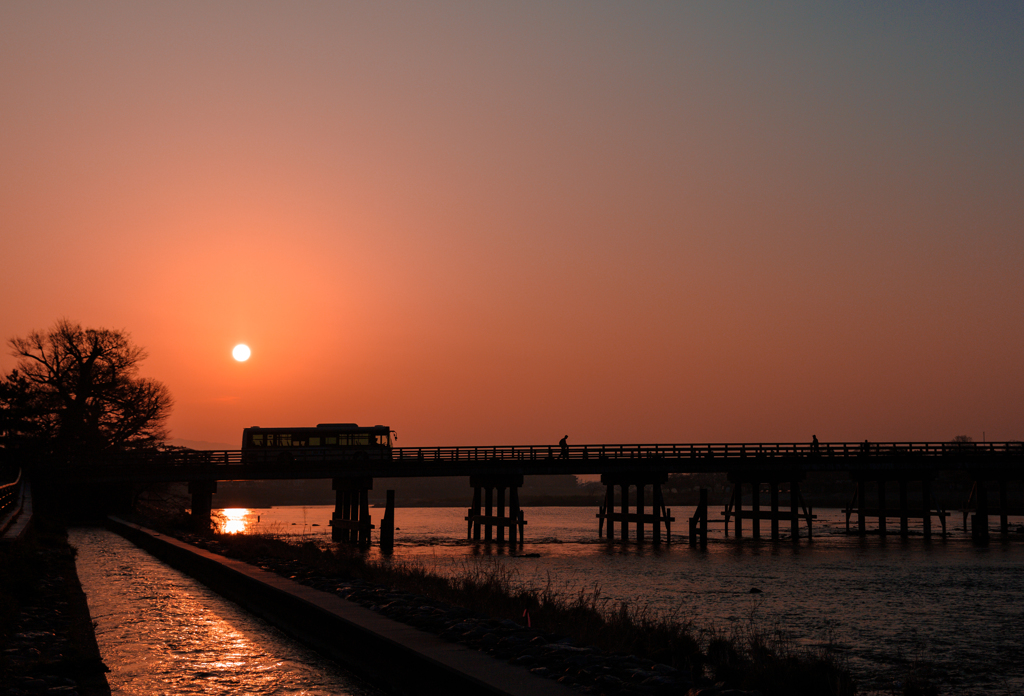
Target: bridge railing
9,493
846,450
823,455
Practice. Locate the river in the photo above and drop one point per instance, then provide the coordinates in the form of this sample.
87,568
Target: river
946,607
161,632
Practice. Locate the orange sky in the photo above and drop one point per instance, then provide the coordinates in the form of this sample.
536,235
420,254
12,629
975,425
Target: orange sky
499,224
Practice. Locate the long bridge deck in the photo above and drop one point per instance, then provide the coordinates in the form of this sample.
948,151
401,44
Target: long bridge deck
494,471
311,463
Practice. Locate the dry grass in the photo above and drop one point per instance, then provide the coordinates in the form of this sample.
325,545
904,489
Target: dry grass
755,655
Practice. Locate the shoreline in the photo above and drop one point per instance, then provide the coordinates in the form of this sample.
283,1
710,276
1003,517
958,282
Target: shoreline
754,662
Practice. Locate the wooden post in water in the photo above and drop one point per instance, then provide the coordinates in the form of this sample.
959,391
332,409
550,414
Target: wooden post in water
794,488
794,510
659,504
755,509
704,518
516,515
882,514
609,507
904,525
364,518
862,487
1004,522
699,521
926,503
640,511
387,525
624,509
774,492
738,507
488,511
501,514
473,530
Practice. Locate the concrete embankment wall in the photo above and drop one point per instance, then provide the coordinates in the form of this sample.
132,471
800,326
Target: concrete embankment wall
386,653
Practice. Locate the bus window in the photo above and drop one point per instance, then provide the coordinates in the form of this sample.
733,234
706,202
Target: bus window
257,439
314,442
330,441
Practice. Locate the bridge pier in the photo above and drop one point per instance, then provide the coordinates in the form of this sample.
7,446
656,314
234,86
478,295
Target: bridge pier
202,503
904,512
481,517
977,508
350,522
699,521
661,516
755,481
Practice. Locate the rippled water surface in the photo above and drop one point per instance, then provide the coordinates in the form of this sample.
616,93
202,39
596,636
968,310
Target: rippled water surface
947,607
160,632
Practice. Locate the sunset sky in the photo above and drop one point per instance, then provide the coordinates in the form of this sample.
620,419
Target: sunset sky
500,223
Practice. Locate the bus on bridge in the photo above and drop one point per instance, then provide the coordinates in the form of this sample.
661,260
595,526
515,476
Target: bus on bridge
325,441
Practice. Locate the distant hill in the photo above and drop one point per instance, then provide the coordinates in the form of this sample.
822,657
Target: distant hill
200,444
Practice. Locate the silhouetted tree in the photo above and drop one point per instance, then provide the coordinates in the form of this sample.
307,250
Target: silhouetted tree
18,420
76,392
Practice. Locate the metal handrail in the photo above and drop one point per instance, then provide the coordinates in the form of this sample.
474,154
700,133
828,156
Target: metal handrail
9,492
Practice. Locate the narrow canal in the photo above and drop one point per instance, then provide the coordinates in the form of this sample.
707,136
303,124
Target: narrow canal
161,632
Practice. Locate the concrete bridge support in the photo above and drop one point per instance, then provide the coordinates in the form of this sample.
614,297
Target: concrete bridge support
488,494
202,503
755,481
882,511
351,520
660,516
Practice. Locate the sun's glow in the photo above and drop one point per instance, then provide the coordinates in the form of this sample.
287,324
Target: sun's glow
234,520
241,352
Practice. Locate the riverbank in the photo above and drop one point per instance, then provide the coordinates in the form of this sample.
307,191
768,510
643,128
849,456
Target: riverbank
47,643
575,638
392,656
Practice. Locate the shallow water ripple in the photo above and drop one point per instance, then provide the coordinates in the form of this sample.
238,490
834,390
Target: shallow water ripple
159,632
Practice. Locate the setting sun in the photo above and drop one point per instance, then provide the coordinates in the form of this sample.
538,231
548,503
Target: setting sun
241,352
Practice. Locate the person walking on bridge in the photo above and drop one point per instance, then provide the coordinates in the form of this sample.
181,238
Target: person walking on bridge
564,445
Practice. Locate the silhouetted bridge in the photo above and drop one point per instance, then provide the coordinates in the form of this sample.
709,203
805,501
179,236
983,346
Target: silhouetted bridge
770,469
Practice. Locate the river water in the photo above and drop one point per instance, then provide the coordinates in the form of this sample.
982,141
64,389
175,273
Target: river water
945,607
160,632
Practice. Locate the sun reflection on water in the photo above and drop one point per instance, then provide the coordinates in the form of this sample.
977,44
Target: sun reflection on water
234,520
